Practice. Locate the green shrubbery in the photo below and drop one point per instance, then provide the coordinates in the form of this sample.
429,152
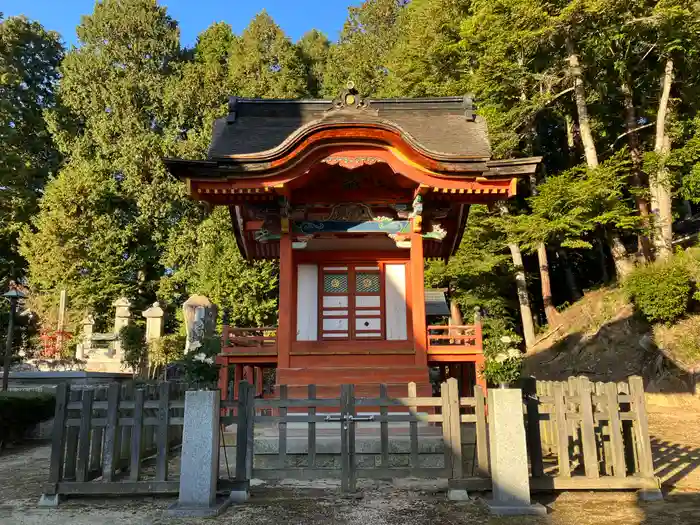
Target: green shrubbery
663,291
19,411
660,291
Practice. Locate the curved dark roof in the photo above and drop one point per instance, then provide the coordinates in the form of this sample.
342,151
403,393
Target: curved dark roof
445,127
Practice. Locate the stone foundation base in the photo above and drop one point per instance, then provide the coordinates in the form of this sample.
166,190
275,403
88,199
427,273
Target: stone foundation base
517,510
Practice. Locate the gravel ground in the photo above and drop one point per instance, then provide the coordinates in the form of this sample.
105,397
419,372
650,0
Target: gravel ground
676,437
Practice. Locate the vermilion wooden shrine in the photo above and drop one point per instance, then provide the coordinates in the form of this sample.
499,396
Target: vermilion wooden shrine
351,196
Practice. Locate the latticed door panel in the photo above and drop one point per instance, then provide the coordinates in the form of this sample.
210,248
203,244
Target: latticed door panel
351,305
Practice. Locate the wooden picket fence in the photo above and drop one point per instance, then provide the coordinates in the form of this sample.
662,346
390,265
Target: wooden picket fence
106,440
584,435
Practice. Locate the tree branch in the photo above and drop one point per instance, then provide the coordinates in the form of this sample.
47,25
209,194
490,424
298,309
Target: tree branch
650,124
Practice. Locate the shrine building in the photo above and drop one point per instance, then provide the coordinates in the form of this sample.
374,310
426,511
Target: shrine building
352,195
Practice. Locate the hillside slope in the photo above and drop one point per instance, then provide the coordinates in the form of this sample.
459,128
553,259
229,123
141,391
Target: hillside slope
601,336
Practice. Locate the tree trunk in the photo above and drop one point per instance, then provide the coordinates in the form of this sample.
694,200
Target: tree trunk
638,176
603,262
549,311
659,183
569,275
546,283
570,139
617,248
523,297
581,107
623,266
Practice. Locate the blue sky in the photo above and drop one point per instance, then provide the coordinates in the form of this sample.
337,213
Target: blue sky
294,16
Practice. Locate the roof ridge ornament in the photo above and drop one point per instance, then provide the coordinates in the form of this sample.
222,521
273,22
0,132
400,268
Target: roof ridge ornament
350,98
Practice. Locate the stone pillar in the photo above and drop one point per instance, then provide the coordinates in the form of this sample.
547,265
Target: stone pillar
122,316
199,469
508,454
154,322
200,316
85,345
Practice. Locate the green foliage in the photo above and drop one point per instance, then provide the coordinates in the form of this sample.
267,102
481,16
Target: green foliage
29,58
572,205
205,260
19,411
265,63
199,364
134,347
314,48
362,52
105,218
168,349
661,291
480,272
425,60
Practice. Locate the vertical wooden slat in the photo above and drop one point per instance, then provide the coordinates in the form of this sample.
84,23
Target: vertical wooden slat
162,436
413,426
641,427
58,442
125,434
351,438
136,436
534,437
482,451
242,423
284,396
631,460
81,473
562,430
384,425
604,432
346,474
446,428
72,437
312,427
617,449
97,435
551,433
110,446
572,393
455,428
539,389
590,451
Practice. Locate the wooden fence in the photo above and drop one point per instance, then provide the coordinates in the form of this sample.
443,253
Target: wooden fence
447,414
584,435
116,439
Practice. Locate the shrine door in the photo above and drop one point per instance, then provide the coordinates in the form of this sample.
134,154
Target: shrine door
352,302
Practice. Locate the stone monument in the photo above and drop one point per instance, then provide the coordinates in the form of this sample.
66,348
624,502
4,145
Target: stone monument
154,322
199,470
508,455
199,314
122,316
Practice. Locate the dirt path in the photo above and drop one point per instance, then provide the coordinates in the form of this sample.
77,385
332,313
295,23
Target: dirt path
676,437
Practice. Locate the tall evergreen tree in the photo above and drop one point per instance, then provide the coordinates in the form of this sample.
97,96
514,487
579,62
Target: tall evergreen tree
105,219
265,63
362,52
314,47
29,58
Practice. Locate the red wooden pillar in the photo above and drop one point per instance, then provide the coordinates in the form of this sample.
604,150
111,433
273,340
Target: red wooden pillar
222,361
284,322
258,381
478,365
237,378
420,336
